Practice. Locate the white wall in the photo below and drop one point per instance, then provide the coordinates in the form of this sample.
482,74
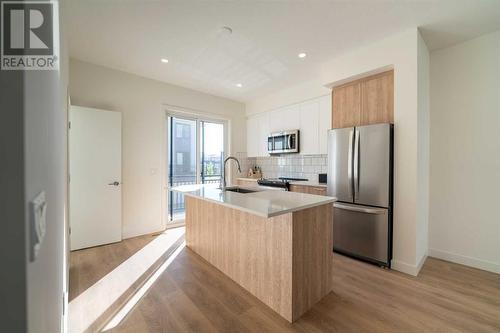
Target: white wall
142,103
465,153
45,123
401,53
423,151
13,293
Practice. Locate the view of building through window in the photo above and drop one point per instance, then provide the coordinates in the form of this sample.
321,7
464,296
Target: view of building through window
195,155
212,151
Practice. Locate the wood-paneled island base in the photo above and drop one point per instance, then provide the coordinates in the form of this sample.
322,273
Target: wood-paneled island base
285,261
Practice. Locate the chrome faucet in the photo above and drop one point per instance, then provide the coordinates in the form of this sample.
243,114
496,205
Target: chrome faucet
223,180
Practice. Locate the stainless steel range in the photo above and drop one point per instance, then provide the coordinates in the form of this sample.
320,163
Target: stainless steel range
274,183
279,183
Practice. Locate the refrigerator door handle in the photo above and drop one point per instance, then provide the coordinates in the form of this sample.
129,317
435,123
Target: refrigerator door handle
356,165
349,163
367,210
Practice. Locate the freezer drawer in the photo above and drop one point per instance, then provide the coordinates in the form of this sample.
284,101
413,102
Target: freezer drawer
361,231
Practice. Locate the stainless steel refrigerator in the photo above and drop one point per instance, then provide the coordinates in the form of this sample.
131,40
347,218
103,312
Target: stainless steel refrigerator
360,175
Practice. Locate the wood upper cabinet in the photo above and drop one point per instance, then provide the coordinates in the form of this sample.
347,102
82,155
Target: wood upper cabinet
346,105
365,101
377,99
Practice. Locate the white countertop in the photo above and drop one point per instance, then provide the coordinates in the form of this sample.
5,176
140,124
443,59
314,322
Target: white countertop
265,203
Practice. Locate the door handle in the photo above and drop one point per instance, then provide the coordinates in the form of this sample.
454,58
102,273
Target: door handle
367,210
356,165
349,164
115,183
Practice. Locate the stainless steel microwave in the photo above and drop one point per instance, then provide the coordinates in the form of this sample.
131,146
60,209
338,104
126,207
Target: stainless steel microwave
283,142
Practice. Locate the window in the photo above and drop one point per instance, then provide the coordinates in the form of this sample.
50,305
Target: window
180,158
195,155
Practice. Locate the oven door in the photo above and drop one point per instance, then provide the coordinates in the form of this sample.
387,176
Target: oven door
272,188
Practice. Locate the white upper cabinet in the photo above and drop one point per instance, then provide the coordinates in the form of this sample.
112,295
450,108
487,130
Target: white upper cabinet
253,133
257,132
325,122
263,120
313,118
286,118
309,124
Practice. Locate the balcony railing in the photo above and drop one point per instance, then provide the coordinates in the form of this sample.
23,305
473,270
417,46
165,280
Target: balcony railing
176,200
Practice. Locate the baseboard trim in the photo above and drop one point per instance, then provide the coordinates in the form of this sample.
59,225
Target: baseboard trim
421,263
465,260
130,232
406,268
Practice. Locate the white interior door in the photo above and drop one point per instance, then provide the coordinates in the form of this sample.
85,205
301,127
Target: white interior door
95,153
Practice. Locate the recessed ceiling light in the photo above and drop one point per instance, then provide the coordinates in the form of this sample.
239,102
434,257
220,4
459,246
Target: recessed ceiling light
302,55
239,85
164,60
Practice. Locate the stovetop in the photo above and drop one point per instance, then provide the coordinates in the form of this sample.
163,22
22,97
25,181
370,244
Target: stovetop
283,182
294,179
273,182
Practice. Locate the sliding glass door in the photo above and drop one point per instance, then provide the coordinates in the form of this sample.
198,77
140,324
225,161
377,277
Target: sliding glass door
182,168
212,152
195,155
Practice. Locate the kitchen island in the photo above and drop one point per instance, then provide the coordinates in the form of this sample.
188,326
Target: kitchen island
277,245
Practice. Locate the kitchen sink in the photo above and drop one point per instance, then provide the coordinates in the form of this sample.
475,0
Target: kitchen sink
240,190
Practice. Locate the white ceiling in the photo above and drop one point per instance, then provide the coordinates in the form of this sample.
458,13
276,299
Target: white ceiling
261,53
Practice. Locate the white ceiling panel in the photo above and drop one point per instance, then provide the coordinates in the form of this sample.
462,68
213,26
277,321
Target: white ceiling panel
261,53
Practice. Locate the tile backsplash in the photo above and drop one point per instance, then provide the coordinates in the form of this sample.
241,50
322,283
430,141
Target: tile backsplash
293,165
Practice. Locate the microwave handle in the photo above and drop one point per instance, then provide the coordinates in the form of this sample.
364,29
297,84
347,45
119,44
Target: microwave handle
289,143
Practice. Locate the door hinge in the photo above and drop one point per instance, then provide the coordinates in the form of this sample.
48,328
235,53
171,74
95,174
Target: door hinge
69,124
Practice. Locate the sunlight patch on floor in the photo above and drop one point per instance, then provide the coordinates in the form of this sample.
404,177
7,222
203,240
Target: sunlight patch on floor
93,302
142,291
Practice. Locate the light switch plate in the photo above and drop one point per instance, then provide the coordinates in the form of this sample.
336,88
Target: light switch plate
38,210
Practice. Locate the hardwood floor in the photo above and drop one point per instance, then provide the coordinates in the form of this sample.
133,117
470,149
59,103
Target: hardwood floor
193,296
88,266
